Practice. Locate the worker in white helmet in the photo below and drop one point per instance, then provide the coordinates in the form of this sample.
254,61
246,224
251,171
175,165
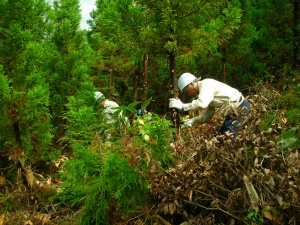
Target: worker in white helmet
109,107
211,94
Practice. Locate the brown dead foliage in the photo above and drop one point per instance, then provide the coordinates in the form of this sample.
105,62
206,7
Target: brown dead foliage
214,183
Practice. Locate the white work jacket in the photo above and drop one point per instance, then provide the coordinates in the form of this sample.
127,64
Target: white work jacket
109,110
213,94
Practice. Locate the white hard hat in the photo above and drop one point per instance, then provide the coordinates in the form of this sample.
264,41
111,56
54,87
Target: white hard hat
99,95
185,79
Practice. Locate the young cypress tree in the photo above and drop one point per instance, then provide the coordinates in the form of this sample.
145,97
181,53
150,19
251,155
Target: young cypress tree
26,132
70,71
115,35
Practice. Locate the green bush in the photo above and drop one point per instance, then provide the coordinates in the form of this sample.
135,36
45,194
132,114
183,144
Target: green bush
107,177
293,116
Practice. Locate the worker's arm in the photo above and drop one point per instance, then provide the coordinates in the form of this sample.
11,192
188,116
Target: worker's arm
206,115
205,96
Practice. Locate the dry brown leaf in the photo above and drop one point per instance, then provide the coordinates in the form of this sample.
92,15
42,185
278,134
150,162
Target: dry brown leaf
252,193
153,169
272,181
214,203
172,208
166,209
263,108
285,205
2,181
279,199
191,196
162,220
148,158
2,219
19,175
57,164
267,171
29,177
49,181
28,222
45,218
271,214
284,120
296,196
17,154
256,162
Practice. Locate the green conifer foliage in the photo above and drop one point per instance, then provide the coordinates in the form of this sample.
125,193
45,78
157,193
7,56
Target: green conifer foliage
115,36
28,132
109,177
69,72
5,99
273,21
119,187
261,47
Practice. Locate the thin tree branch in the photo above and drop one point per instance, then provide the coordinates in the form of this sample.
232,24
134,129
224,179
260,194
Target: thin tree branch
155,6
187,15
208,208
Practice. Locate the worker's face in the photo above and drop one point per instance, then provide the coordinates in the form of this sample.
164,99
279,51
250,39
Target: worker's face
103,102
191,89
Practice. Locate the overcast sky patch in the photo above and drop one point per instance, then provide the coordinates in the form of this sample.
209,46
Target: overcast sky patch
86,6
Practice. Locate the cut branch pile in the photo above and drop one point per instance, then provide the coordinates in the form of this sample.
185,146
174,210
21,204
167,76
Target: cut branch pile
221,180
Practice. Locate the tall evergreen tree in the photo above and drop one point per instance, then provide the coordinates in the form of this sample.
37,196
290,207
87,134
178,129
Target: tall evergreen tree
25,127
70,71
173,30
262,47
183,30
116,29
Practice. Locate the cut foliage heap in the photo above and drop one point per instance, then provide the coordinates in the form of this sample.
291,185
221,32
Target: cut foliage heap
256,179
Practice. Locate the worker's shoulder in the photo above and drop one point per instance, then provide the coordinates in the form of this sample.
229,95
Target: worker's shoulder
212,83
210,80
111,103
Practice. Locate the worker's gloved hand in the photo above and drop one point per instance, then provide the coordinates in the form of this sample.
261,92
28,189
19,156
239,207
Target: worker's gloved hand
188,123
226,110
175,103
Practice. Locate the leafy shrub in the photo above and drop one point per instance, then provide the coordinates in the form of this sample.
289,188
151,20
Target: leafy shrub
156,134
293,116
108,178
289,102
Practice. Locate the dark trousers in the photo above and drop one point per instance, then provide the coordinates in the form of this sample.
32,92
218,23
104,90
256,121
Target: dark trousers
230,123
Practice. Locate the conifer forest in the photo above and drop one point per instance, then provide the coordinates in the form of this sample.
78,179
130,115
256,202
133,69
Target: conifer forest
62,163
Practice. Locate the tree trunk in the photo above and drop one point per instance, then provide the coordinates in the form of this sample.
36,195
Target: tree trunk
173,74
135,85
175,112
224,62
145,78
110,84
296,35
